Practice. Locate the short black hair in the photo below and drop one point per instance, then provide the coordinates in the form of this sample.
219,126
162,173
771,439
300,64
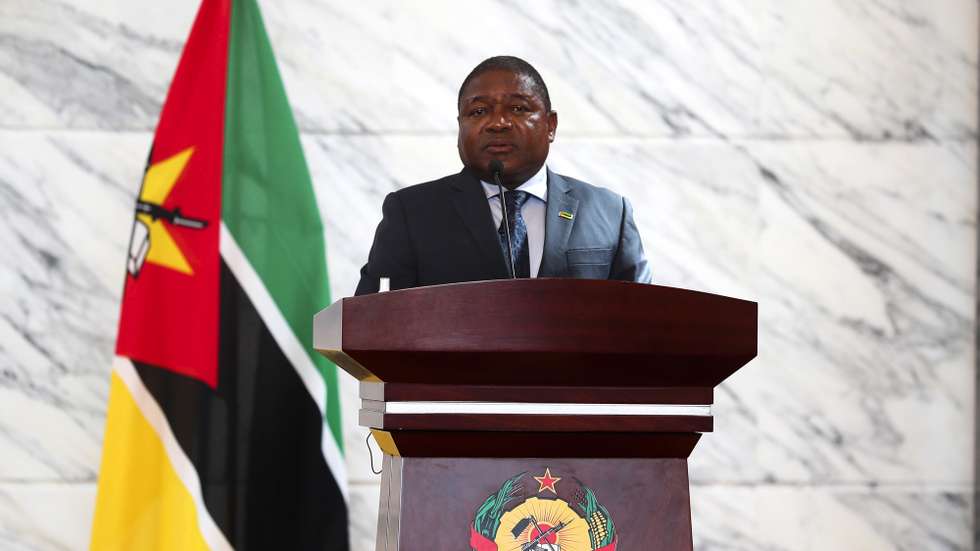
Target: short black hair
513,64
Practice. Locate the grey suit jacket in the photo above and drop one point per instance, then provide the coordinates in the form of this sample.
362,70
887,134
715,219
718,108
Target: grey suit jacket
442,232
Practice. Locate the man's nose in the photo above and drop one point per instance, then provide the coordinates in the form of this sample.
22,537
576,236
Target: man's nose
500,120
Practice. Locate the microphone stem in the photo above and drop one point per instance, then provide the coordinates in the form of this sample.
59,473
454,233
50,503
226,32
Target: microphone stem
506,220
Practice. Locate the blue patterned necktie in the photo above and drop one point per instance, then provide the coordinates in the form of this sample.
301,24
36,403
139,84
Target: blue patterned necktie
518,233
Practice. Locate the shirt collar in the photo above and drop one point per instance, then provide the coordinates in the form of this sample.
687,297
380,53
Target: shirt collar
536,185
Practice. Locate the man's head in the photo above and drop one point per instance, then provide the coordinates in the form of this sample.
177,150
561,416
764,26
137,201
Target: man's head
505,114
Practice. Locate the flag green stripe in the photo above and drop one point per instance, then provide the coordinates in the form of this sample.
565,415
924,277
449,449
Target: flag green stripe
268,203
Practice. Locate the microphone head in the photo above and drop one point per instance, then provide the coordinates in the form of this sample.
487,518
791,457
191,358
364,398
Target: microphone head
496,167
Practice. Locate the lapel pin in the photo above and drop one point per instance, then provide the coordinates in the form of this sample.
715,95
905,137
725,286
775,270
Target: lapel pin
565,214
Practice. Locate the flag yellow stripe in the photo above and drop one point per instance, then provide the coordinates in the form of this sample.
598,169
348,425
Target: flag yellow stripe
142,503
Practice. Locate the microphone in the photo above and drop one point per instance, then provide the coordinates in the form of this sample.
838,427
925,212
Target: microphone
497,168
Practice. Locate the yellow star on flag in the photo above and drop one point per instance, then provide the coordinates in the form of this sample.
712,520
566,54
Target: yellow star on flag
157,184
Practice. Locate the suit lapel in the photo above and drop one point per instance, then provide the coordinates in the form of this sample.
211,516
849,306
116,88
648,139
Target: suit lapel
474,210
559,218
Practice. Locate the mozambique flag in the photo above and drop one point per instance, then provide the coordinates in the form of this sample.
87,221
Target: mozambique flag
223,428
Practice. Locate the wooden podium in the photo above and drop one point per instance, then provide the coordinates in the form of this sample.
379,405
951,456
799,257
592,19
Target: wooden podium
537,414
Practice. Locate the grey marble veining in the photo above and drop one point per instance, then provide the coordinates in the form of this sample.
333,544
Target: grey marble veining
45,516
818,518
87,66
765,68
66,202
817,157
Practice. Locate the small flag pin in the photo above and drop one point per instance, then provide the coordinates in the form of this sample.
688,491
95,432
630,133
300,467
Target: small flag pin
565,214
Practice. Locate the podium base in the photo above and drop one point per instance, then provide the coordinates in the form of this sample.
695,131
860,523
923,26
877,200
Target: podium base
484,504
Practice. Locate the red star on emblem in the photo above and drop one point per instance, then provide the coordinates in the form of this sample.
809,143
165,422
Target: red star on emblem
547,482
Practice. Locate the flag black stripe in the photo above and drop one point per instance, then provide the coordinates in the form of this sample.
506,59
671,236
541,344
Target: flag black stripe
255,442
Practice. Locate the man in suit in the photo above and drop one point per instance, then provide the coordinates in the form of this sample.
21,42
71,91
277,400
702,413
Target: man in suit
451,229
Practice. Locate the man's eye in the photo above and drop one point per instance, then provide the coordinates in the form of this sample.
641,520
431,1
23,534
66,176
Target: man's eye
477,112
518,108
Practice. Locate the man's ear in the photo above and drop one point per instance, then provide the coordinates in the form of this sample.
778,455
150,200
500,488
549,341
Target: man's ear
552,125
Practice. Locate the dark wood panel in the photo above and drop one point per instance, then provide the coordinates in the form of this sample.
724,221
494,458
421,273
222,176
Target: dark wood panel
402,392
547,368
418,443
647,501
549,332
536,423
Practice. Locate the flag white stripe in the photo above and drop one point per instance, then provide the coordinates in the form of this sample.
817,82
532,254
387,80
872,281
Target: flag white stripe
269,311
181,464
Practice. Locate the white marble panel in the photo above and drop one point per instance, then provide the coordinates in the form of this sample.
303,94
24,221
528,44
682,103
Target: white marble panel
88,65
46,516
842,518
769,68
363,510
867,265
65,205
888,69
667,68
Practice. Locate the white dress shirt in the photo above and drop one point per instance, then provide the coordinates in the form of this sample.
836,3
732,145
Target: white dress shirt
533,212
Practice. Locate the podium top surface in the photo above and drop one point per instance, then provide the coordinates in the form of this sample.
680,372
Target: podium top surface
544,332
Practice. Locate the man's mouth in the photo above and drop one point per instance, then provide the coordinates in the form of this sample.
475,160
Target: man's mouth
499,147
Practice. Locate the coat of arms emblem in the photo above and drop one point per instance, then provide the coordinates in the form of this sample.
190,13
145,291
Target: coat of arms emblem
542,513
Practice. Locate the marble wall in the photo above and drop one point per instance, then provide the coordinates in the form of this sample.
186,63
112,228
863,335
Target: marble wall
819,157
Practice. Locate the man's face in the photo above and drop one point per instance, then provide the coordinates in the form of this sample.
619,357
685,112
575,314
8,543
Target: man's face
501,117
